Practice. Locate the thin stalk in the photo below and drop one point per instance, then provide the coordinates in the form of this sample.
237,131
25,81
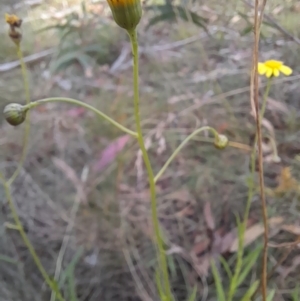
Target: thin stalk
240,252
257,21
27,121
19,227
158,237
183,143
265,98
84,105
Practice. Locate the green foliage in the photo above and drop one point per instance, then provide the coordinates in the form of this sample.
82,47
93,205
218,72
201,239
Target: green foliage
240,275
193,294
67,279
248,295
271,295
171,13
8,259
218,283
75,45
295,294
248,263
249,25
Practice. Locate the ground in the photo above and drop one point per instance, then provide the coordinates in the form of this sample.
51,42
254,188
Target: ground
82,194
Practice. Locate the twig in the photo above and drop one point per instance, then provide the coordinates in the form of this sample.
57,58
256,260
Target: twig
254,86
28,59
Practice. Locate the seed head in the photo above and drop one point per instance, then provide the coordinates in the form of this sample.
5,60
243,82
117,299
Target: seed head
15,114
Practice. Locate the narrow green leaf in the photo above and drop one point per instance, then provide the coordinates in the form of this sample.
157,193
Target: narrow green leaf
72,286
248,263
271,295
247,30
295,294
244,16
250,291
63,61
218,282
70,267
226,267
172,266
162,17
8,259
193,295
171,12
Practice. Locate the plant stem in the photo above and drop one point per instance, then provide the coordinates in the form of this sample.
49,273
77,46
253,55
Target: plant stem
257,22
84,105
183,143
27,121
240,252
158,237
27,242
265,98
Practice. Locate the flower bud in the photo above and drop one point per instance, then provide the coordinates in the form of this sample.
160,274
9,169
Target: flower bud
126,13
15,114
221,141
15,24
15,35
13,20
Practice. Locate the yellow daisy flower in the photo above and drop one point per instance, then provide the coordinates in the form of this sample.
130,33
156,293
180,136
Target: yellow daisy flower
273,68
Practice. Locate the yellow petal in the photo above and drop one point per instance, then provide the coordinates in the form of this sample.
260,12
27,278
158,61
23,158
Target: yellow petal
276,72
273,64
261,68
286,70
269,72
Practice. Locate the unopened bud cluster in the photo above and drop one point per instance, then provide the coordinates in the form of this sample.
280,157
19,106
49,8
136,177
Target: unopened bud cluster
14,23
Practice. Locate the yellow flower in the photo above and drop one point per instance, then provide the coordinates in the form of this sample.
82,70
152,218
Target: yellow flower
273,68
126,13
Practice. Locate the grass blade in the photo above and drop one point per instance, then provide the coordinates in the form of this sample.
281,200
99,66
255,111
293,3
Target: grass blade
193,295
249,261
250,291
218,282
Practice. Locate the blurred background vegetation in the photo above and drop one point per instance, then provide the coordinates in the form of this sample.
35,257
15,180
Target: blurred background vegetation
83,195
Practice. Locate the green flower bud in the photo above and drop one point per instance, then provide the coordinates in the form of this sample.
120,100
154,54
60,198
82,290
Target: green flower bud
15,114
126,13
221,141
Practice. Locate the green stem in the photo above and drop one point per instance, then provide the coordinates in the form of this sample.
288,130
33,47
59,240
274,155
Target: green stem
265,98
27,242
84,105
240,252
27,122
158,237
183,143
